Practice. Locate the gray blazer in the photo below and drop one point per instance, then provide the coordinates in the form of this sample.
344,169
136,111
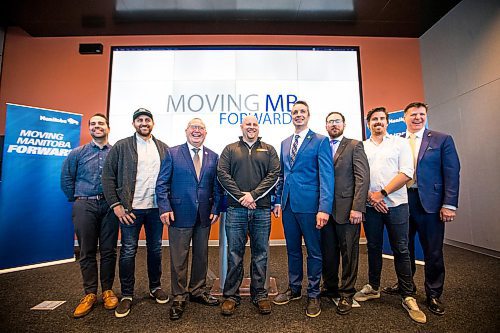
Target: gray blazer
352,179
120,171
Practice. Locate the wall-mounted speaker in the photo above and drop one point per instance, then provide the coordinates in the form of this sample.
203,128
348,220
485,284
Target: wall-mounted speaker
90,49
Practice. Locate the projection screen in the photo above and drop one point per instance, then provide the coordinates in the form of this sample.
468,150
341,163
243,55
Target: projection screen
221,85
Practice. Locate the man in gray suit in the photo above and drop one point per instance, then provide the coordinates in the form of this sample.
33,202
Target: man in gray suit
340,237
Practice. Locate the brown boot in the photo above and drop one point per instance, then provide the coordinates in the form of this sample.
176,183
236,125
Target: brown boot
110,300
86,304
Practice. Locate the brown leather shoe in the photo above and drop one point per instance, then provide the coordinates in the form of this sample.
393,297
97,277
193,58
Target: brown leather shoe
228,307
110,300
264,306
86,304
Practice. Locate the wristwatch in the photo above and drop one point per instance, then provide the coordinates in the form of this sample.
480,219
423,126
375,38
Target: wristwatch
384,192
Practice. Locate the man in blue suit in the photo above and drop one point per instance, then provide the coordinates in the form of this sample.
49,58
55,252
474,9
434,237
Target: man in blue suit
305,194
432,198
188,198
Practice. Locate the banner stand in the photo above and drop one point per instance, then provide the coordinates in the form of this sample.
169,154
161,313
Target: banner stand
36,228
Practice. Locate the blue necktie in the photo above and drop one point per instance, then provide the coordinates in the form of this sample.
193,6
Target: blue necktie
333,146
293,154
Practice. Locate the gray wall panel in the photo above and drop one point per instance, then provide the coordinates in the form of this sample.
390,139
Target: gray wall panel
461,71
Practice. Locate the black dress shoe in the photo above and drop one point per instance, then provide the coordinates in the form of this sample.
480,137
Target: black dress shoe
177,309
344,306
205,299
435,306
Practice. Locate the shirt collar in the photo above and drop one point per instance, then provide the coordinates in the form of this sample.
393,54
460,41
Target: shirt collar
302,134
94,145
419,134
190,147
386,136
338,139
139,139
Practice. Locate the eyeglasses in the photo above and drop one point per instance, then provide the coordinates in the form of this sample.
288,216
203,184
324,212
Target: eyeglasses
335,122
197,127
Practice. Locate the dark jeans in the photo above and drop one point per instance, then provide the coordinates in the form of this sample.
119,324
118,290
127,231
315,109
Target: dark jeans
150,218
396,222
96,224
430,230
296,226
257,224
340,241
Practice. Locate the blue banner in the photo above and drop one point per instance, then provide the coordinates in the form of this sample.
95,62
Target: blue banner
35,222
397,126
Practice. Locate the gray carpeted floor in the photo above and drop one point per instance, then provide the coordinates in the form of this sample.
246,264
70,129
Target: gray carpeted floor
472,297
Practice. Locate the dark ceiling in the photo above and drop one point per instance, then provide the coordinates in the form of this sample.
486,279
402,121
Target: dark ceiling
383,18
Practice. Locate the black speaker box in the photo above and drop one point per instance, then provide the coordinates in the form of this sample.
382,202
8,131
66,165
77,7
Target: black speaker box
90,49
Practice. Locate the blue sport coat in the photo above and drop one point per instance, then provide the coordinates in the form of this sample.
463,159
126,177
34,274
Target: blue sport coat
438,171
179,190
308,185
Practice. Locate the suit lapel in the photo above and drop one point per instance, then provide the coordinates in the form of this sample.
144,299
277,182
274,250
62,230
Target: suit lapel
204,163
286,149
340,149
426,140
306,141
189,159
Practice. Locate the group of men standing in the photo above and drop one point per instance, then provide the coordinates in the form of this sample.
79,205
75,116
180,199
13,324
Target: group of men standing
324,187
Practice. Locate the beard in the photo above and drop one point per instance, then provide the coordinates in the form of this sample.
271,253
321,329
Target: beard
335,133
144,130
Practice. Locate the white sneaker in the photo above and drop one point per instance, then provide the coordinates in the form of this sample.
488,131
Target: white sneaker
366,293
410,304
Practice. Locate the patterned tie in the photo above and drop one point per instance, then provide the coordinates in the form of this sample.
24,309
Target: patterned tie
196,162
293,154
413,140
333,147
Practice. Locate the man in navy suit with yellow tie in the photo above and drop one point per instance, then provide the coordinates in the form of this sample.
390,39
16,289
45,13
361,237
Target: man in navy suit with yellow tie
188,198
432,198
305,194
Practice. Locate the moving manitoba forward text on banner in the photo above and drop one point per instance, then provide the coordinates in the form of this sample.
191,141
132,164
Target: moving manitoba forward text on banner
35,222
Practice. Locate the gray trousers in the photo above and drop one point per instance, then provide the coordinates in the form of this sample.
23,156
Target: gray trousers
179,240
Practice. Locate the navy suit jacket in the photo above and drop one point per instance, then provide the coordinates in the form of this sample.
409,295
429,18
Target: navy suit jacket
308,185
179,190
438,171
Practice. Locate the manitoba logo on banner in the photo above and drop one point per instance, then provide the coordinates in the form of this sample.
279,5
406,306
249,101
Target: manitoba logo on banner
36,217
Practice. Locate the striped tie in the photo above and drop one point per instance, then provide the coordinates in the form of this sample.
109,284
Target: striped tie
293,154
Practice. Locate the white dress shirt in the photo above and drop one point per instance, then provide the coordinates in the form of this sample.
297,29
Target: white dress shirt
387,160
336,145
302,136
148,168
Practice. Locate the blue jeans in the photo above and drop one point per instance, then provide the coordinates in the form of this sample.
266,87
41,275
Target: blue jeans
150,218
396,222
239,223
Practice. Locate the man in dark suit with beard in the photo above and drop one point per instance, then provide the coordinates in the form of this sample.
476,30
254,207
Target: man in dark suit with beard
340,237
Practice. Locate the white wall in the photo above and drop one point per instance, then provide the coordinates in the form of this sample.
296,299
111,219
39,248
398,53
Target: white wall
461,70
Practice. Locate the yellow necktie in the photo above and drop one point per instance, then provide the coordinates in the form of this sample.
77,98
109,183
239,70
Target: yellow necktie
413,139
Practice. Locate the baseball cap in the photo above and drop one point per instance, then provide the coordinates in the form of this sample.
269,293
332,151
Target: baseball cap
142,112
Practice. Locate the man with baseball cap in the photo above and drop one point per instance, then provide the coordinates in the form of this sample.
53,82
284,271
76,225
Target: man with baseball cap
129,181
